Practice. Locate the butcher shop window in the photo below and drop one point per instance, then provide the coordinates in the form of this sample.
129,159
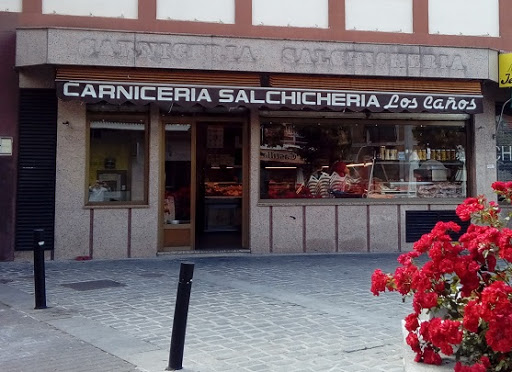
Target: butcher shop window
380,159
117,161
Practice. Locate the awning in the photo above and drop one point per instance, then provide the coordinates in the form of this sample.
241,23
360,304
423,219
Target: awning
267,91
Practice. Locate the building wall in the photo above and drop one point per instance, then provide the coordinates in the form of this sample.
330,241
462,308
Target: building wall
105,231
278,228
426,22
314,225
8,128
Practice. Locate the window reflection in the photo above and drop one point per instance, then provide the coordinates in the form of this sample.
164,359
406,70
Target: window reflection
177,174
356,159
117,162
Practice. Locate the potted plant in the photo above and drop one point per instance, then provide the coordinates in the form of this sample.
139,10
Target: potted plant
464,286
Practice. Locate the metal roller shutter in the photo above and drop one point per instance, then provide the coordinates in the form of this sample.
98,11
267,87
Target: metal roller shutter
375,84
141,75
35,204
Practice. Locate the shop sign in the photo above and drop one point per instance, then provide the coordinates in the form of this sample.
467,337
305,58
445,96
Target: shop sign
271,98
505,62
284,156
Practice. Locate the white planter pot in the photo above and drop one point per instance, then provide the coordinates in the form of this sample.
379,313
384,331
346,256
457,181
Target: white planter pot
410,365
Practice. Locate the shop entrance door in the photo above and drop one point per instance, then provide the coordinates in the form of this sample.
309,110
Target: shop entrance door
219,207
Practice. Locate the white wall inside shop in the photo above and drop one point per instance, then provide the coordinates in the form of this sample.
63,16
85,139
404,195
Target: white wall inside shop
96,8
10,5
295,13
464,17
217,11
379,15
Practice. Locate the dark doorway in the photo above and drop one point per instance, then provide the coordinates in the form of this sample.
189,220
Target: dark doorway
219,186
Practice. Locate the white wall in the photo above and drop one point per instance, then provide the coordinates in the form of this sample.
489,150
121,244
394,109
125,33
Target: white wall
220,11
10,5
379,15
464,17
295,13
96,8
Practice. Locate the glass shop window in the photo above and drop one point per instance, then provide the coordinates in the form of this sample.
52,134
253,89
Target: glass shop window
504,148
363,159
178,155
117,162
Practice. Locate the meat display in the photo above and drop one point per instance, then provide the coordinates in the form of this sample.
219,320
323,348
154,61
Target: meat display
223,189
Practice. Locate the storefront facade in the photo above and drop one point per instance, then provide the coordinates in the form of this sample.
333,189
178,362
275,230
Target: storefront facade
172,143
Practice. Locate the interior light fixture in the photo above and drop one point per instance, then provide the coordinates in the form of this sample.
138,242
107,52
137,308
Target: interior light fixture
280,167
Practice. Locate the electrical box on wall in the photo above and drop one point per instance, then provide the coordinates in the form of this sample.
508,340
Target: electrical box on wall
6,146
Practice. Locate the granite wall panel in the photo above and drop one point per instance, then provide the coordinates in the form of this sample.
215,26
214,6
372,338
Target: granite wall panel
383,226
288,229
352,228
110,234
320,229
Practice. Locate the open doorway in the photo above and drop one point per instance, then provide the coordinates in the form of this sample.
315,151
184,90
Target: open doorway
219,191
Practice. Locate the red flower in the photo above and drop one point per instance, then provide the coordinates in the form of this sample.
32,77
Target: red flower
411,322
496,300
379,282
469,207
430,356
413,341
471,318
459,367
499,336
505,244
406,259
465,279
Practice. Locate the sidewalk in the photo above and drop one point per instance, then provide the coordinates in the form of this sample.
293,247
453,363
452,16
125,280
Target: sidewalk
247,313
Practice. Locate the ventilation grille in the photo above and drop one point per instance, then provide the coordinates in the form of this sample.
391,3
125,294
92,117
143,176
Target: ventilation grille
418,223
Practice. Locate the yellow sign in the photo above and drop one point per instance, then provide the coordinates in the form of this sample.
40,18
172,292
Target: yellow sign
505,61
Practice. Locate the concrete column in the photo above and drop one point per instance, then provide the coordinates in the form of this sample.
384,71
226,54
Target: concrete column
146,221
260,234
485,149
72,221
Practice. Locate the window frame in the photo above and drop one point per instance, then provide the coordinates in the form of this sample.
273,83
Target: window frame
448,120
139,118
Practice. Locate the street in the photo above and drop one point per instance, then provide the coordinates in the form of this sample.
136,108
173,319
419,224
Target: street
310,312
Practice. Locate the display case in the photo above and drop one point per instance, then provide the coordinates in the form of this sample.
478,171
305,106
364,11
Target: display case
414,178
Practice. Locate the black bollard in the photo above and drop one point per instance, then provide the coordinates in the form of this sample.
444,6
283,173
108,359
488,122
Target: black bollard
180,317
39,275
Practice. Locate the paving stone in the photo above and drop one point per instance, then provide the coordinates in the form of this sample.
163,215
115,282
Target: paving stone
247,313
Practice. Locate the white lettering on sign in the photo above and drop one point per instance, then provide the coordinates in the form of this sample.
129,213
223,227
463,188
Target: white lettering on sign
269,97
281,156
504,153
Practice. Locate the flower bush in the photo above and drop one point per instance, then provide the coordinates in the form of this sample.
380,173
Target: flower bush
464,286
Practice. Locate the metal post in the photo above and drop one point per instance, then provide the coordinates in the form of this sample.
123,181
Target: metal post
39,275
180,317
